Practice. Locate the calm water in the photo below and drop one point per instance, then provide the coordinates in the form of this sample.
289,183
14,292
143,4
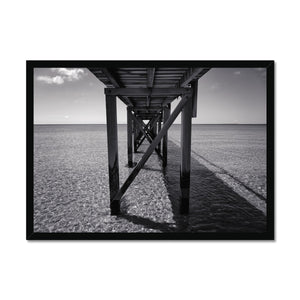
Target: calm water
71,181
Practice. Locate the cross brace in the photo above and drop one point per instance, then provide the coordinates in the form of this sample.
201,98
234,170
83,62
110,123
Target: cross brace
146,133
149,126
151,148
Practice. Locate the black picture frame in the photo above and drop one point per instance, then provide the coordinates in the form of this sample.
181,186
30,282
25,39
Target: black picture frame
269,234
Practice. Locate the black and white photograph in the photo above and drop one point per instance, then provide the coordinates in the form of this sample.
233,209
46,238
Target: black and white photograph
150,149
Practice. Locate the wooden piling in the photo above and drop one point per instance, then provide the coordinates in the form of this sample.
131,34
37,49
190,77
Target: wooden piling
154,133
129,138
185,168
194,86
136,133
112,146
158,130
166,115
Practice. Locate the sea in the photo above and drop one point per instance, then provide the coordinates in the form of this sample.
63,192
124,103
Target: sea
228,191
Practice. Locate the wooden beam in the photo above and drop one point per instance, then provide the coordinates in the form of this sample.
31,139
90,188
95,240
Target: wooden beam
166,115
189,76
150,80
140,92
194,86
116,84
151,148
112,79
136,133
148,101
150,77
159,129
146,117
154,130
129,138
112,147
155,101
185,169
151,108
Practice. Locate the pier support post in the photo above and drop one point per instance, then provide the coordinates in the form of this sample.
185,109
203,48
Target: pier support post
129,138
136,133
185,168
166,115
154,131
139,133
112,147
158,130
194,86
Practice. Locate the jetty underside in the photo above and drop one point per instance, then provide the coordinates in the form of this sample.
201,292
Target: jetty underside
148,94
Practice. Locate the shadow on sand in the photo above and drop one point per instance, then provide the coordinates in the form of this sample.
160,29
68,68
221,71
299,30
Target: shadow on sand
214,207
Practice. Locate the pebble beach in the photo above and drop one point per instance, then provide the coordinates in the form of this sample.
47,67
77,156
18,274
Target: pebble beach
71,192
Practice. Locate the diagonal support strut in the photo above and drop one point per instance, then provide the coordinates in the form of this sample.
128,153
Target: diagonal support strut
151,148
148,127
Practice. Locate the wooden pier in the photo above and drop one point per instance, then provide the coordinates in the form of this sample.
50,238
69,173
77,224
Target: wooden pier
148,94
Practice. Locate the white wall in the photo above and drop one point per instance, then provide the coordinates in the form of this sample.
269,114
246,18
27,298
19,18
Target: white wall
212,30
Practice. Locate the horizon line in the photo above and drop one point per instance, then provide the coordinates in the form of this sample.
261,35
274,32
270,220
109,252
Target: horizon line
172,124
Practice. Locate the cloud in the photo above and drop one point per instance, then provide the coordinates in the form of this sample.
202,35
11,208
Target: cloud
69,74
61,75
51,80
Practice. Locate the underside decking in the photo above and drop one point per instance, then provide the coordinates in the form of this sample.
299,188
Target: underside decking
164,78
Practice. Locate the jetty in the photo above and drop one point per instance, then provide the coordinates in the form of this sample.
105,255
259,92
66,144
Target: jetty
148,94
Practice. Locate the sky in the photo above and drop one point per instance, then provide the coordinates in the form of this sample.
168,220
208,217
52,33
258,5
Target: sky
76,96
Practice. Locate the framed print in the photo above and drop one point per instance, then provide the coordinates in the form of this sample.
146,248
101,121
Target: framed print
150,150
